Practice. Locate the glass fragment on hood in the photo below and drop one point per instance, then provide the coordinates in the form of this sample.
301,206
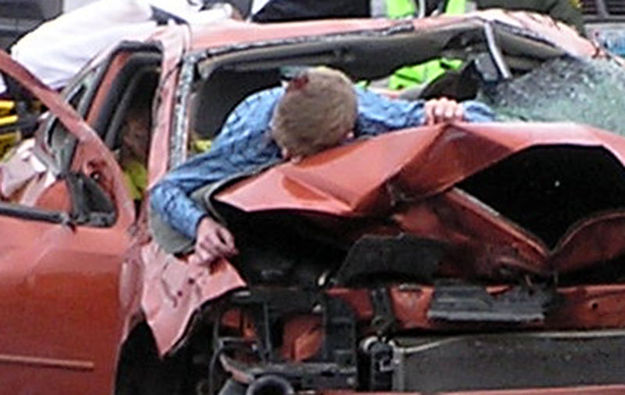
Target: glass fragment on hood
587,91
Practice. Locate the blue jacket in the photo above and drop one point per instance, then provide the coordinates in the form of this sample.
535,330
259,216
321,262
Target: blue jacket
244,145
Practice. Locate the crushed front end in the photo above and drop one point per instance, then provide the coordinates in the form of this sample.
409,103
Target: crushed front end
502,272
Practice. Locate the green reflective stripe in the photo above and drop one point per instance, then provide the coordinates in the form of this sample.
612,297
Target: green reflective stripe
400,8
456,7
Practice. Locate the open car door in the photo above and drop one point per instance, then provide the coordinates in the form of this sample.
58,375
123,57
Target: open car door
63,261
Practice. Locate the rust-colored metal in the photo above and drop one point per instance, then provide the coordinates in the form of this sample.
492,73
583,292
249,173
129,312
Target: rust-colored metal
233,32
47,362
425,165
581,307
58,283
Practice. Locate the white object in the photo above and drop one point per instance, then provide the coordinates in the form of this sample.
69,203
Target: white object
59,48
69,5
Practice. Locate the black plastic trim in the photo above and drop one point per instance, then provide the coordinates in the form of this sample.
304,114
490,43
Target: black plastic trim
33,214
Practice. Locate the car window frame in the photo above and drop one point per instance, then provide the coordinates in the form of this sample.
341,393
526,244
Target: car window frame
57,162
77,94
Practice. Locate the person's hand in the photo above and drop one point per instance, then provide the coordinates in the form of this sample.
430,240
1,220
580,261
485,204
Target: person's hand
213,241
442,110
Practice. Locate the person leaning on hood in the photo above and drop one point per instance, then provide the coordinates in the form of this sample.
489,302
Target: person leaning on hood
317,110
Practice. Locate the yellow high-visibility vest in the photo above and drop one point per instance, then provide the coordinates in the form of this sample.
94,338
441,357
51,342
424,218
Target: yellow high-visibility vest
400,8
6,106
136,176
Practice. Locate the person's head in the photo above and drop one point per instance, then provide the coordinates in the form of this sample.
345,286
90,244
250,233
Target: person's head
136,134
317,111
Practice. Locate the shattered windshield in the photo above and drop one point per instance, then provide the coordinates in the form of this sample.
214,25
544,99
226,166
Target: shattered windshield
589,91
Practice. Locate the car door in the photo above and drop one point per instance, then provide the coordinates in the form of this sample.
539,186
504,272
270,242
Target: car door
65,280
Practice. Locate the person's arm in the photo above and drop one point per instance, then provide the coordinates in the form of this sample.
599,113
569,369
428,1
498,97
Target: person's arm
170,196
379,114
241,146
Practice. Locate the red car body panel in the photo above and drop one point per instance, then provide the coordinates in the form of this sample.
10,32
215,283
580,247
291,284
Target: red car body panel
60,284
422,166
174,290
233,33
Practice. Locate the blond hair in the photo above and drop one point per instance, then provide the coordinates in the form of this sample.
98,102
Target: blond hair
317,111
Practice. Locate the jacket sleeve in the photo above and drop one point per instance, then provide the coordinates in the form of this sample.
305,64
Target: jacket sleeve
170,196
241,146
378,114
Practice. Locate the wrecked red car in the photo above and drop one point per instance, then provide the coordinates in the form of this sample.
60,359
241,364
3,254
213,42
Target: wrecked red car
453,258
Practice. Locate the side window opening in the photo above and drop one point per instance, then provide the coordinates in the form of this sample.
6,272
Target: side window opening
137,64
129,132
123,117
47,185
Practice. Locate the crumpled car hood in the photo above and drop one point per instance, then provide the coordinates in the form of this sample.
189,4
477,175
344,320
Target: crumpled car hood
415,177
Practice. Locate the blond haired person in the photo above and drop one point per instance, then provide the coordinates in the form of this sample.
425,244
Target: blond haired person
318,109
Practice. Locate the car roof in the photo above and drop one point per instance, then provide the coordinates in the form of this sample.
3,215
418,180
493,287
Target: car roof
230,32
